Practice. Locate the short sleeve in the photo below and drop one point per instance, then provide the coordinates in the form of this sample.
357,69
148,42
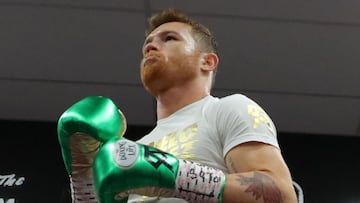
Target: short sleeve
240,119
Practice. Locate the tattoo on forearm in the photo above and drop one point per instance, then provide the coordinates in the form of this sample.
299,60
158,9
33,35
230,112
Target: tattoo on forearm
260,185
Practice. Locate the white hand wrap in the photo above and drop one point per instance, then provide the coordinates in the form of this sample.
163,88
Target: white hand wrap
199,183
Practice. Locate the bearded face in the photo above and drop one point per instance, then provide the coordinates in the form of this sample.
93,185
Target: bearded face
170,58
160,73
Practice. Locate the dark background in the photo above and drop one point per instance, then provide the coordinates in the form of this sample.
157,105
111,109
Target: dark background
326,167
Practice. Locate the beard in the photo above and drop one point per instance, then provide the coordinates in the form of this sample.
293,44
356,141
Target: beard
160,74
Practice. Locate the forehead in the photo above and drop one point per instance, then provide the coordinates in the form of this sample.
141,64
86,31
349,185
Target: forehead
178,27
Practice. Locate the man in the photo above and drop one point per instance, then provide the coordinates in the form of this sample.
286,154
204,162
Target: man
231,137
232,134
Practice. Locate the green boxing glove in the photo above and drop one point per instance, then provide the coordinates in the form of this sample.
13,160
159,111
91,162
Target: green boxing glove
123,167
82,129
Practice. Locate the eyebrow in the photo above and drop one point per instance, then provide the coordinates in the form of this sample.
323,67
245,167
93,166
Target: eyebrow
165,32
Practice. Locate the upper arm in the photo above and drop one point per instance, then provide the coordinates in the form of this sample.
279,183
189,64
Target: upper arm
265,164
255,156
251,151
249,137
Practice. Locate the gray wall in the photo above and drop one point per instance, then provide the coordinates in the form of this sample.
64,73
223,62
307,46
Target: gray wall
299,59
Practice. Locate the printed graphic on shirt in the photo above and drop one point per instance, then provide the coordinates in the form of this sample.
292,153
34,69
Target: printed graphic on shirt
259,116
179,143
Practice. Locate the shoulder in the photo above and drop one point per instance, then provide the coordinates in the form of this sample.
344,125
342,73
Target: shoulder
238,108
234,102
234,99
233,106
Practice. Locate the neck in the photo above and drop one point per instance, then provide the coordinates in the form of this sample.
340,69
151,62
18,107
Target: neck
178,97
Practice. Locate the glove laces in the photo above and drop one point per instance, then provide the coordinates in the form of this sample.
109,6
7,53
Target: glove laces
82,191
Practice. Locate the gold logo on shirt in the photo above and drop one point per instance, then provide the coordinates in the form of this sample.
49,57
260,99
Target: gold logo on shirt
259,115
179,143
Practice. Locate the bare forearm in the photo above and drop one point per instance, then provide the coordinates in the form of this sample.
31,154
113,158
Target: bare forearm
257,187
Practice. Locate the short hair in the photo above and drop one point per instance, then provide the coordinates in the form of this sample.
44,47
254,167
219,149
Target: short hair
206,40
201,34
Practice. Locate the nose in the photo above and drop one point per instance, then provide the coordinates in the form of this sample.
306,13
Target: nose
151,46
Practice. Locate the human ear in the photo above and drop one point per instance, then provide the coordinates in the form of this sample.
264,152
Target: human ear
209,61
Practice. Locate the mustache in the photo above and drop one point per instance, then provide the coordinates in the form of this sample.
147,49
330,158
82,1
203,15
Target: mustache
158,55
152,53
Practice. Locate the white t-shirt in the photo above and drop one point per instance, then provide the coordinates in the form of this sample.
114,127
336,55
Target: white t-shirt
205,131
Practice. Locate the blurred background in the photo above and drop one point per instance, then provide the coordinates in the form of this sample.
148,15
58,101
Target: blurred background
299,60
